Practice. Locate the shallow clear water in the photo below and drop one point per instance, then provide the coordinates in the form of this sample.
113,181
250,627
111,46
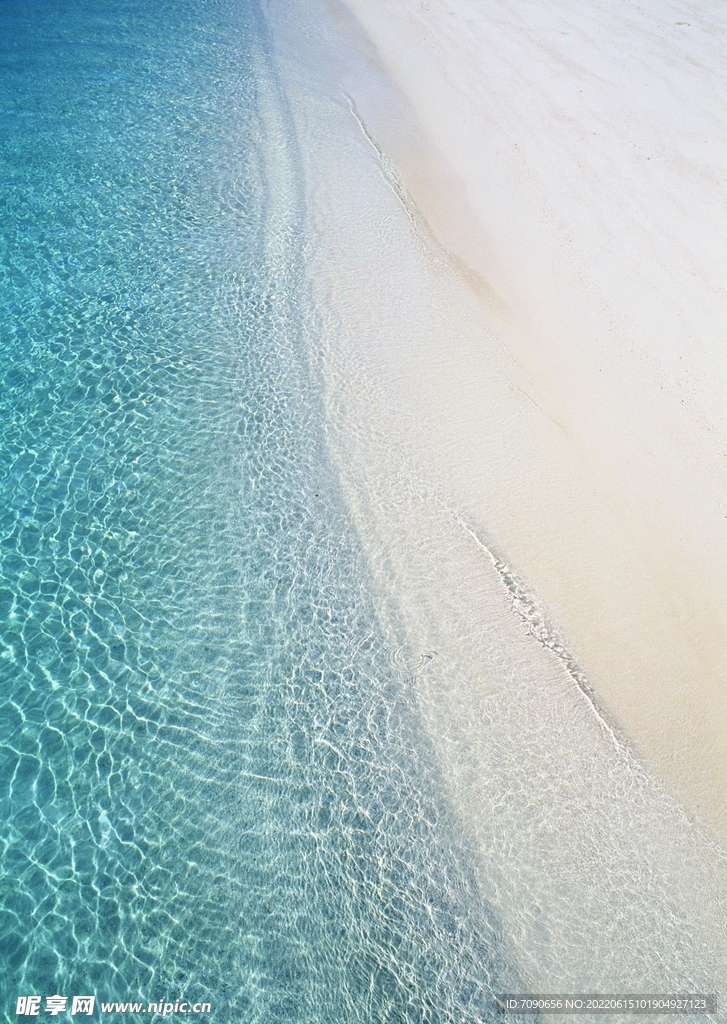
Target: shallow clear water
214,784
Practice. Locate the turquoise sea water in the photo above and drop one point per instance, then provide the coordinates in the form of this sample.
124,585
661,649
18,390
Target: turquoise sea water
214,785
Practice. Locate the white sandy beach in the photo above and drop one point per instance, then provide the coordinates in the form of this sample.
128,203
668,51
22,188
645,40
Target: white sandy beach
578,165
516,259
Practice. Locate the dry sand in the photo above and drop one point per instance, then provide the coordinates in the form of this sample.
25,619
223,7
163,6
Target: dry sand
516,259
576,164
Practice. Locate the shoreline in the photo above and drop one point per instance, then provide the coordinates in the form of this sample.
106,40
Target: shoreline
445,452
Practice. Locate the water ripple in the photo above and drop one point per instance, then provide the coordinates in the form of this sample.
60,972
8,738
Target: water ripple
213,782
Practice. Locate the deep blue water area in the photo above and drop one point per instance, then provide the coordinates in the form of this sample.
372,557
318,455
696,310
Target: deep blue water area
213,783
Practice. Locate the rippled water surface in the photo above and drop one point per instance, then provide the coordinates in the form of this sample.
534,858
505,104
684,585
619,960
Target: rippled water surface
213,782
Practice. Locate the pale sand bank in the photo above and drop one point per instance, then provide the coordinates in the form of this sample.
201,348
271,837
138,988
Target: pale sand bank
579,170
549,401
576,162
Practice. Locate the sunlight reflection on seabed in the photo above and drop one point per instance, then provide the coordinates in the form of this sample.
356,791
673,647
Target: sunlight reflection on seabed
215,779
